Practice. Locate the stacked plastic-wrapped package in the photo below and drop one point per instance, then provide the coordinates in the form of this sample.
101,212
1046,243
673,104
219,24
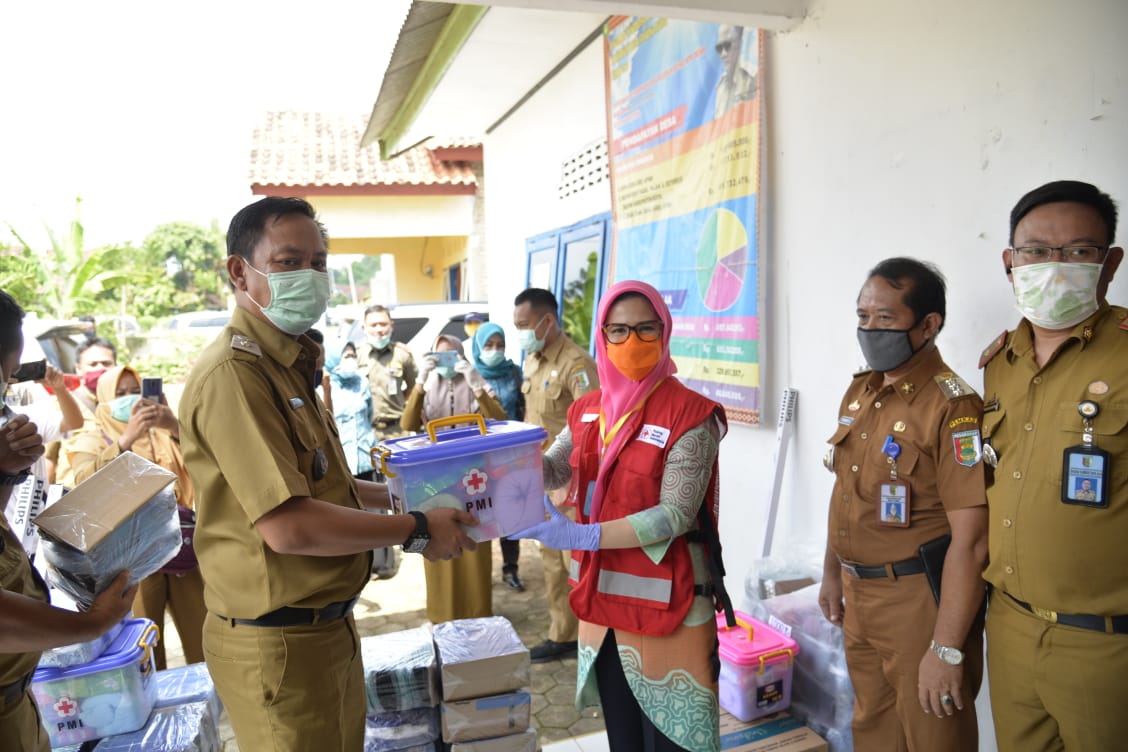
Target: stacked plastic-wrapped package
185,716
821,695
401,684
484,670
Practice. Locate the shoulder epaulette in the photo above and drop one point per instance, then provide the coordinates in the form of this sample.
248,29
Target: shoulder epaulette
952,385
861,372
993,349
245,344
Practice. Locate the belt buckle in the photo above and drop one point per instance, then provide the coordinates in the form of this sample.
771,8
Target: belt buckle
851,569
1045,613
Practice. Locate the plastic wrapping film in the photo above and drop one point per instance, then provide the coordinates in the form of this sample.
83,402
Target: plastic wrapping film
400,670
79,652
401,729
524,741
122,517
188,684
821,693
485,717
785,573
480,657
176,728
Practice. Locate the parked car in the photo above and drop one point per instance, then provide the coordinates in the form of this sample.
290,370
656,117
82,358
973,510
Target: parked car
207,323
418,324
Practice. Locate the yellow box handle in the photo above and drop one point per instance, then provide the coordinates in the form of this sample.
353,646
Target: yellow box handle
773,654
454,420
143,640
379,457
747,627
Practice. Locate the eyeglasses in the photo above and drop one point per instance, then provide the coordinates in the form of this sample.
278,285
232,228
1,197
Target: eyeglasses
647,331
1077,254
723,47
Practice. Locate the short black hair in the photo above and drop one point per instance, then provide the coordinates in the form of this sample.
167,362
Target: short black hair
316,335
248,224
1073,191
95,342
376,309
538,299
924,285
11,324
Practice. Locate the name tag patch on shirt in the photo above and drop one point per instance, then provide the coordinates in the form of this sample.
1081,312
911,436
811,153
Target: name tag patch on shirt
845,419
656,435
296,403
589,417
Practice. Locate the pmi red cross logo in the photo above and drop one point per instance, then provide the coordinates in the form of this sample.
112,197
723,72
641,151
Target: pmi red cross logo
66,707
475,482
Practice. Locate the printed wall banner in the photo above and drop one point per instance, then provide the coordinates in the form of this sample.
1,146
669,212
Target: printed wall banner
684,107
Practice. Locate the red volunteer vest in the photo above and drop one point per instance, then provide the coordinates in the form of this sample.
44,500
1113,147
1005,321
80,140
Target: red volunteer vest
623,588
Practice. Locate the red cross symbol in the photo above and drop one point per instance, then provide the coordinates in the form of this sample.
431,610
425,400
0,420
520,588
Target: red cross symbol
65,707
475,481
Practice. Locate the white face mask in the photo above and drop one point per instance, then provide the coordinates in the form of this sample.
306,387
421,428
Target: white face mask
1056,294
491,357
528,339
379,343
347,367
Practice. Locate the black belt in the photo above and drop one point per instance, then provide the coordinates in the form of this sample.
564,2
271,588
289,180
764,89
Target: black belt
294,617
14,691
900,569
1114,624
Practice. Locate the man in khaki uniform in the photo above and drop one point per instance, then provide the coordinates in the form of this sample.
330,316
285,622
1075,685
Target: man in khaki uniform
1057,391
281,533
557,372
391,371
907,462
28,624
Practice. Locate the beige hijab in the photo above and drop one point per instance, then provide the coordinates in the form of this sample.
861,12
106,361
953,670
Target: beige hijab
158,446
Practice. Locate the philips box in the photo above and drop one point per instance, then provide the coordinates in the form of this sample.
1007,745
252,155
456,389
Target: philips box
485,717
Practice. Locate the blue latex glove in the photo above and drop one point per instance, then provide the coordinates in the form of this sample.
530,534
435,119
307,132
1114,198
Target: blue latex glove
561,533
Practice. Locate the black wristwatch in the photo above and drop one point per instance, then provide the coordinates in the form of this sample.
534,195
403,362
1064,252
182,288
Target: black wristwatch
14,480
419,539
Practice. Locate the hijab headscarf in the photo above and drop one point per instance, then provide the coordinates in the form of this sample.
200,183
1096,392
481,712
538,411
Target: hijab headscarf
157,445
334,354
446,397
485,331
618,394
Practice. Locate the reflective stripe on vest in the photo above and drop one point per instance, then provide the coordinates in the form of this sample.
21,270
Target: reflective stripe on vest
627,585
574,569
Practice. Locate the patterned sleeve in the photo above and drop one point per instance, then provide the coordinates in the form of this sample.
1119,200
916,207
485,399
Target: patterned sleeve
557,465
684,483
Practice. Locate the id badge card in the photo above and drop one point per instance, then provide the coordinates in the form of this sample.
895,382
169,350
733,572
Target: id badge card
393,387
893,506
1085,474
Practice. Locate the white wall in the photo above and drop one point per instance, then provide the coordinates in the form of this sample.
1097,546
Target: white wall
893,128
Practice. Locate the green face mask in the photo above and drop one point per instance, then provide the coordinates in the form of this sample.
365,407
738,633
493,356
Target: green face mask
297,298
122,407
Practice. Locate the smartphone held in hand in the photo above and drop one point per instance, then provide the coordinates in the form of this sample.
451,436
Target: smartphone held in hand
152,388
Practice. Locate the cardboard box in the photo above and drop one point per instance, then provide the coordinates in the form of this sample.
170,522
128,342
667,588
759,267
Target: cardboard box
773,733
121,517
526,741
486,717
480,657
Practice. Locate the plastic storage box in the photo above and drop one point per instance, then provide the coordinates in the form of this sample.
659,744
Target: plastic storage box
110,695
756,667
79,652
492,470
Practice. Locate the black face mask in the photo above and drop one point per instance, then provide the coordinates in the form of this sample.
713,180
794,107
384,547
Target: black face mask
886,349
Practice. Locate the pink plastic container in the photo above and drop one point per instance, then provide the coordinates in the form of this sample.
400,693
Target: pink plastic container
756,667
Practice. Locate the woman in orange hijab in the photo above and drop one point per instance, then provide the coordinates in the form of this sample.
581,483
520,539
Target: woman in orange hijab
125,422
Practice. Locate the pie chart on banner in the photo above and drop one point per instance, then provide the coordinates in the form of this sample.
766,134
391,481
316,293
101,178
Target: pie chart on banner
722,258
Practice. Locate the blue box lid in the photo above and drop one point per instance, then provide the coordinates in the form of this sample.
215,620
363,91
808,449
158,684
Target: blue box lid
454,443
136,639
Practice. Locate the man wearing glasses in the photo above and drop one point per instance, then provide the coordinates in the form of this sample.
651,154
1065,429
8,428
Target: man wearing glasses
735,85
1056,415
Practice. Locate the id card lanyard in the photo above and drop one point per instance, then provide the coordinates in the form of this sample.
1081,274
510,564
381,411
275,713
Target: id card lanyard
893,503
1086,468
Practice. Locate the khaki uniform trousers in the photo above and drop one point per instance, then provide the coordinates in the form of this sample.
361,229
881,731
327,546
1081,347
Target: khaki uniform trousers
887,630
563,625
1054,687
183,596
289,689
21,727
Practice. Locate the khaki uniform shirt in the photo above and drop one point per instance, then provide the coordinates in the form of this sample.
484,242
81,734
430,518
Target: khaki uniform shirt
17,576
254,434
555,377
391,374
1066,557
935,418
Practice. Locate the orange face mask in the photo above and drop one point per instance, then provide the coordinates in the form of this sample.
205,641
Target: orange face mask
635,358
